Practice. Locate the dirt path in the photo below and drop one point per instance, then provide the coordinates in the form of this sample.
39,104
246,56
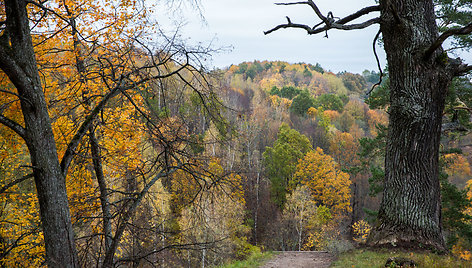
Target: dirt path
300,259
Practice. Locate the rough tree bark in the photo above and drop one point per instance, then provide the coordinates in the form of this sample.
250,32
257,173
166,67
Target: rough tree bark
410,212
420,73
18,61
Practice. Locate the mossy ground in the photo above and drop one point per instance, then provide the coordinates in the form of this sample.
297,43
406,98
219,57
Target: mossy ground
360,258
253,261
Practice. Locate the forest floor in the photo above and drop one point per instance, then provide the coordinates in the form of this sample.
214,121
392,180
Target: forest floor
300,259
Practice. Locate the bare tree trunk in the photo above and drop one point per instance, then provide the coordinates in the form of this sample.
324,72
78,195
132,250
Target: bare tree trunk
300,230
410,213
203,257
129,211
18,61
102,185
256,212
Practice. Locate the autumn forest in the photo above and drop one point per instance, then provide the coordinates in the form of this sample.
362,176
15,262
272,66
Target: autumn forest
119,147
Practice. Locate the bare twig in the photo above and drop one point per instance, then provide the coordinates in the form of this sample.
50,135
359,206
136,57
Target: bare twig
378,62
312,5
6,187
46,9
72,146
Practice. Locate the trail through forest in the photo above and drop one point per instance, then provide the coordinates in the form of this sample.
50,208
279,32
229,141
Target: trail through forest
300,259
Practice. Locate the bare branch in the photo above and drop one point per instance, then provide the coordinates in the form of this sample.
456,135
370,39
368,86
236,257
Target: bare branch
440,40
6,187
463,69
463,108
312,5
108,260
46,9
309,30
328,22
13,126
378,63
358,14
72,146
178,246
290,25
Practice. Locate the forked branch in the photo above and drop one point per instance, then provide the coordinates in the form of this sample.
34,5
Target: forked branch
328,22
440,40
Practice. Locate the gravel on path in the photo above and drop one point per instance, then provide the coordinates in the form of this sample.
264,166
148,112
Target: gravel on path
299,259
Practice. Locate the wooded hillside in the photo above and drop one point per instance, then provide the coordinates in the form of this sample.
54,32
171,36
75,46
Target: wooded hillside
276,156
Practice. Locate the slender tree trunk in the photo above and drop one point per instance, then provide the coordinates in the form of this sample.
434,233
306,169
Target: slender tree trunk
18,61
256,212
102,185
300,231
203,257
354,213
410,212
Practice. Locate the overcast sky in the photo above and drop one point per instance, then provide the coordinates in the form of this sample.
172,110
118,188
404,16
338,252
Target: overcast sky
240,24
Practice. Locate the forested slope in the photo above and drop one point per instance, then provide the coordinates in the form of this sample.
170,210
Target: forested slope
263,155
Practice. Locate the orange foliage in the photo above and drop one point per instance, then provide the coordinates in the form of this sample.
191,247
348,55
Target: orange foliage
233,69
375,117
328,184
344,148
332,115
457,164
75,76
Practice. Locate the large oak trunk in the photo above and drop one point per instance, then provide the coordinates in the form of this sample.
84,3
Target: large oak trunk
21,67
410,213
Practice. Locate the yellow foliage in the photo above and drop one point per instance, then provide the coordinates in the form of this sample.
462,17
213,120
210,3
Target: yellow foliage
217,214
462,252
19,225
71,95
457,164
361,230
328,184
274,80
312,112
19,209
469,196
320,239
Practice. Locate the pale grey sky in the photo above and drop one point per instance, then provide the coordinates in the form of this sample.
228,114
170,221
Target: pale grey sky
240,24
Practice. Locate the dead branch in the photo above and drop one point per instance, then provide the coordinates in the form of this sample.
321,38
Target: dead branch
328,22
